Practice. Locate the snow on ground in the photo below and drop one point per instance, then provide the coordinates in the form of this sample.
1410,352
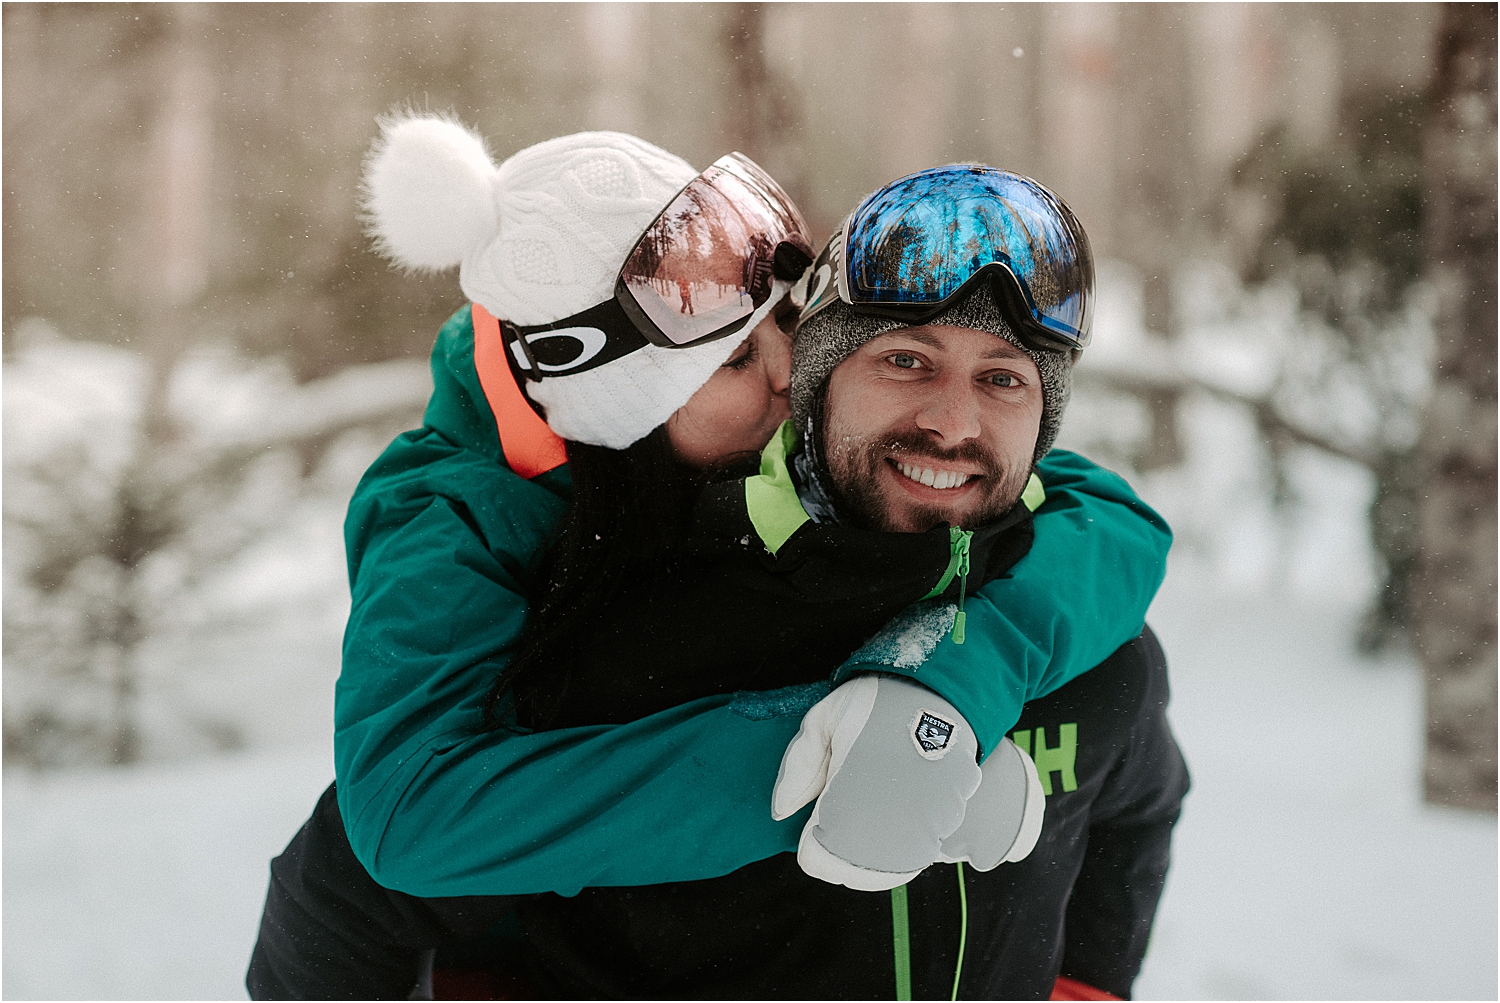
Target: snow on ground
147,882
1305,865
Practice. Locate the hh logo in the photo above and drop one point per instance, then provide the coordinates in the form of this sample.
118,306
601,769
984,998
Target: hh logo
1058,759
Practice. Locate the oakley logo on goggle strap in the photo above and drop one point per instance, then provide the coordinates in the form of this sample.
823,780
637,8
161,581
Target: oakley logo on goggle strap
558,351
596,336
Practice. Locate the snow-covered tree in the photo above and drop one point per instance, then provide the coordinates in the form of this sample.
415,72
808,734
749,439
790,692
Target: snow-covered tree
131,543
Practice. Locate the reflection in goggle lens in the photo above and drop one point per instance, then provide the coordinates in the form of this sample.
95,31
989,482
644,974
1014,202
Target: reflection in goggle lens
921,239
708,261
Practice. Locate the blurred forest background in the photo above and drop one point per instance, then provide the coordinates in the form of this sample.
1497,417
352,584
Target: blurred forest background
1294,209
1294,206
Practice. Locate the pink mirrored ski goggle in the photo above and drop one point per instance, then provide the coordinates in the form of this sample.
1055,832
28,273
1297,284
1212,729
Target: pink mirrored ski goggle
708,261
697,274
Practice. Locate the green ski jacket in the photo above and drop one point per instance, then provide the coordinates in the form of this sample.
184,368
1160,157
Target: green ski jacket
441,540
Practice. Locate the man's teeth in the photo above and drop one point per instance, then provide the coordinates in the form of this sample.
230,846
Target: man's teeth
940,479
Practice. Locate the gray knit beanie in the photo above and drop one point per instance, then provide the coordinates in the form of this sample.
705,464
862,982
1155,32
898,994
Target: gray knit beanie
836,332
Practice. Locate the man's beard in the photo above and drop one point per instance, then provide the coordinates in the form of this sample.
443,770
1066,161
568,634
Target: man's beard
855,468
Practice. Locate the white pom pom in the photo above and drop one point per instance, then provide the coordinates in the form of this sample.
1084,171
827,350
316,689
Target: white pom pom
428,192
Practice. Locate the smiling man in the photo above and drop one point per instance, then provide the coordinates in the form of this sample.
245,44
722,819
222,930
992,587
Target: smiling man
930,373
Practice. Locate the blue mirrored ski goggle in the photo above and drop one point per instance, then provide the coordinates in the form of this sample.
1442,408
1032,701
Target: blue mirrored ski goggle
915,246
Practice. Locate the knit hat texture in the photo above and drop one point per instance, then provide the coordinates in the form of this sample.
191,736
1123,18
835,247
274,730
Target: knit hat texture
836,332
539,238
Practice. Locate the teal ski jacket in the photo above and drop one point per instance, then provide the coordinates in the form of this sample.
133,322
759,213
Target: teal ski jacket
442,539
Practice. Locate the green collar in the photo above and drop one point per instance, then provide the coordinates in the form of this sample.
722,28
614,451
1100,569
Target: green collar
770,496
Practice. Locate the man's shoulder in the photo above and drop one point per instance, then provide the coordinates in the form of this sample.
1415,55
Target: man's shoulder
1079,733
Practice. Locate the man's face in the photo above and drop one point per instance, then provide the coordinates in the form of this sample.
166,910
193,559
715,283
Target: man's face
932,424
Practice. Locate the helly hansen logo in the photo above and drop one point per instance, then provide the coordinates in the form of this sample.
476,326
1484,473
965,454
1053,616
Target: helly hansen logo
932,734
1059,759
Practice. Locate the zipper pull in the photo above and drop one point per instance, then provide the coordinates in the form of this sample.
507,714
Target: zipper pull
961,539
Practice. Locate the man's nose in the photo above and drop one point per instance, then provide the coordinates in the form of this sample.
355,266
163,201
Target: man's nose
951,410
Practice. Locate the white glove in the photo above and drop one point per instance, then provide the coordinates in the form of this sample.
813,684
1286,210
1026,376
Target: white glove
1004,817
892,766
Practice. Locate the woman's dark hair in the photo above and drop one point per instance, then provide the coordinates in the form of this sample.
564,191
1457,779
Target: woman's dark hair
625,529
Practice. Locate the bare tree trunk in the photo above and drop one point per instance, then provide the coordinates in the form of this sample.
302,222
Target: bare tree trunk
174,231
1455,598
762,119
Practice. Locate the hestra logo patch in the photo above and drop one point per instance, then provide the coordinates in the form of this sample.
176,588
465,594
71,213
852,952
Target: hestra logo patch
931,734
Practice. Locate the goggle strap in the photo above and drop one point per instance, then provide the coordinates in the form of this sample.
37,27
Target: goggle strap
826,297
841,255
621,337
532,372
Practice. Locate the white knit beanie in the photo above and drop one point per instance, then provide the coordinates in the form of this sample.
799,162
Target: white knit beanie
540,238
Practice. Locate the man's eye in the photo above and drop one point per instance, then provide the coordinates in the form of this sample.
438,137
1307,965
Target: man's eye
1004,380
904,361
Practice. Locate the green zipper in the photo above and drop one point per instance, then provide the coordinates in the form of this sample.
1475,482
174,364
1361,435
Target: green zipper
958,564
961,545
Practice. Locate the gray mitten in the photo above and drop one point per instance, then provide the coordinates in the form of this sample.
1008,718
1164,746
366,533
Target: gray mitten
892,766
1004,817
